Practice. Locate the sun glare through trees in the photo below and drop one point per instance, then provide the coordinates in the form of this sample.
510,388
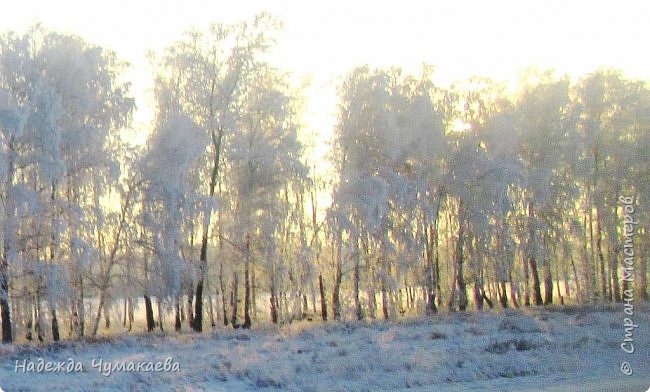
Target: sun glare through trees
176,170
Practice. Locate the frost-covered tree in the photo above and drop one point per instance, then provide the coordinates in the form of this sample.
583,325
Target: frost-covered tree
264,159
544,125
168,174
205,76
388,142
71,105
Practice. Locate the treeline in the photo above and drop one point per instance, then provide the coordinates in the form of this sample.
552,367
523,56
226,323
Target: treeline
457,198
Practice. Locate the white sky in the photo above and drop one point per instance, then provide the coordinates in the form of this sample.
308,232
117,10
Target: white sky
324,40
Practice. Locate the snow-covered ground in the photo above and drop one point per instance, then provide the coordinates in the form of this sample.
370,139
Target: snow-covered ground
569,349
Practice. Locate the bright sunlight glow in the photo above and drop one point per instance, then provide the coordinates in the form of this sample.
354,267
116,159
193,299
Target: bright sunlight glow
321,41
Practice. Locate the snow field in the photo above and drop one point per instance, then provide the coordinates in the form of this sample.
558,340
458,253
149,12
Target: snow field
554,349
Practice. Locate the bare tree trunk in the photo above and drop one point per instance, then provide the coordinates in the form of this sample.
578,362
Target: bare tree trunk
253,295
107,315
643,269
537,291
55,324
80,309
336,299
370,282
604,293
384,300
594,265
514,293
190,312
460,279
224,299
274,306
7,333
357,302
131,314
247,286
177,315
586,266
30,316
336,294
548,280
613,256
4,301
323,299
148,309
160,314
526,281
478,298
100,307
430,271
196,320
125,313
233,301
211,310
536,284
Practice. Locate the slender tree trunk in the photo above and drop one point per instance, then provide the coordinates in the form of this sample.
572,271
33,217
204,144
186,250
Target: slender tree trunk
526,281
514,293
148,309
478,298
131,314
224,299
253,295
336,294
81,311
274,306
613,256
594,265
125,313
197,319
559,292
437,262
234,301
430,272
357,302
604,294
536,284
107,316
54,322
370,280
537,291
323,298
460,278
177,315
160,314
642,285
7,334
4,302
190,306
336,299
197,323
247,286
587,270
100,307
503,295
211,309
55,325
30,319
384,300
548,280
312,292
